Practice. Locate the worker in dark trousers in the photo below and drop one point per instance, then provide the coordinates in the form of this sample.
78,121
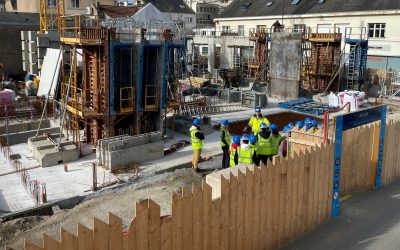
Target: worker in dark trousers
225,142
254,144
276,139
264,144
233,151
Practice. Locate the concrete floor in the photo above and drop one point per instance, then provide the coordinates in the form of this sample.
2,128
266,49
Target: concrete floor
369,220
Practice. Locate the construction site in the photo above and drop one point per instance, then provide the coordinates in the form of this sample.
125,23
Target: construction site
95,146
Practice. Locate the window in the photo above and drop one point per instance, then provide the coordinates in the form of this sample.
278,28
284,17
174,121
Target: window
294,2
188,19
204,50
376,30
225,29
241,30
203,33
299,28
213,33
269,4
182,6
75,3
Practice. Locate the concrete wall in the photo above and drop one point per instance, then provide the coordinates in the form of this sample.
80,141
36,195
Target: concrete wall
10,43
22,137
285,65
24,126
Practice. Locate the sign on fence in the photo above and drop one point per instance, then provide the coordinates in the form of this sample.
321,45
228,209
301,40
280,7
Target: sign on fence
346,122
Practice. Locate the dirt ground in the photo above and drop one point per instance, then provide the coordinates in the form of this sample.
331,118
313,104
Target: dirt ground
120,201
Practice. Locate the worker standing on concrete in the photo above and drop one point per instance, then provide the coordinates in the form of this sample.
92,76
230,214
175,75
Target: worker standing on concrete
276,139
254,144
233,152
246,153
255,122
197,138
264,144
225,141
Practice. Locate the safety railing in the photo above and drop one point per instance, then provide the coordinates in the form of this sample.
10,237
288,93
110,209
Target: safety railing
80,29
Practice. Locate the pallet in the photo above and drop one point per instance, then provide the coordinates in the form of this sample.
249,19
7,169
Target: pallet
305,105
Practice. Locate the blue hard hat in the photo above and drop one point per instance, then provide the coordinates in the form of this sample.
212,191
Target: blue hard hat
263,125
314,123
224,122
253,138
196,121
236,139
308,126
307,120
299,124
291,125
245,137
286,129
257,109
273,127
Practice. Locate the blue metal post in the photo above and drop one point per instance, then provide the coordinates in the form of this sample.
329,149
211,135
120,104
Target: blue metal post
139,105
336,167
380,148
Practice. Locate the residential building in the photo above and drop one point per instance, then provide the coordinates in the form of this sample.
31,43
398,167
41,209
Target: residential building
207,10
376,20
71,6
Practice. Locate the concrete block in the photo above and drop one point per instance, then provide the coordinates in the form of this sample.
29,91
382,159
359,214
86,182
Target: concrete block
25,56
33,68
42,42
40,63
24,45
53,35
25,66
32,58
41,52
24,35
32,35
32,46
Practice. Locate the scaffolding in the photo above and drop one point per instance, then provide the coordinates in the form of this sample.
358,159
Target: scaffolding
258,61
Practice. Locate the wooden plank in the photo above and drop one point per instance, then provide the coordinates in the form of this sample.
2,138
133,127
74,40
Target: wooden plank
216,224
176,221
85,237
166,232
324,175
317,162
295,189
30,246
233,211
301,195
321,185
50,243
68,240
263,207
197,218
154,226
311,183
241,190
187,219
224,235
283,167
248,212
275,209
130,238
100,234
270,204
207,199
115,232
256,208
288,201
306,183
142,225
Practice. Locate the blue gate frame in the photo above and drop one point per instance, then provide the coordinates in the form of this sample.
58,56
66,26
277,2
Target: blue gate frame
346,122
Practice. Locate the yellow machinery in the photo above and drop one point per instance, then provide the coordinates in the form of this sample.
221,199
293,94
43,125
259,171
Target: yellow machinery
50,14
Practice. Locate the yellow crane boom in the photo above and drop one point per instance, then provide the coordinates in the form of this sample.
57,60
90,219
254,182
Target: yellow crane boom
51,12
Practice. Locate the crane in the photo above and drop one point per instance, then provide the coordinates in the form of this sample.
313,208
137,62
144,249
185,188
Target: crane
51,12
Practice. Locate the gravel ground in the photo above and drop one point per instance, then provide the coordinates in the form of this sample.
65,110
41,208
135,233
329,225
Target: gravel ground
120,201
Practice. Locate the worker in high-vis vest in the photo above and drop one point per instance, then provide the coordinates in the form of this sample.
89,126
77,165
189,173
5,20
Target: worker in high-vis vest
253,141
233,151
197,138
264,144
225,141
255,122
275,138
246,154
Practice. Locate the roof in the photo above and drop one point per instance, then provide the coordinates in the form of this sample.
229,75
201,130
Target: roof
254,8
19,18
118,11
171,6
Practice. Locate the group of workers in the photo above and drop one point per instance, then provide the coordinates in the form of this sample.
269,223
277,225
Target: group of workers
259,143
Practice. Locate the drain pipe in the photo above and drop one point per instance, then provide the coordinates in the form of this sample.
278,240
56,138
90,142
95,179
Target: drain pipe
326,120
